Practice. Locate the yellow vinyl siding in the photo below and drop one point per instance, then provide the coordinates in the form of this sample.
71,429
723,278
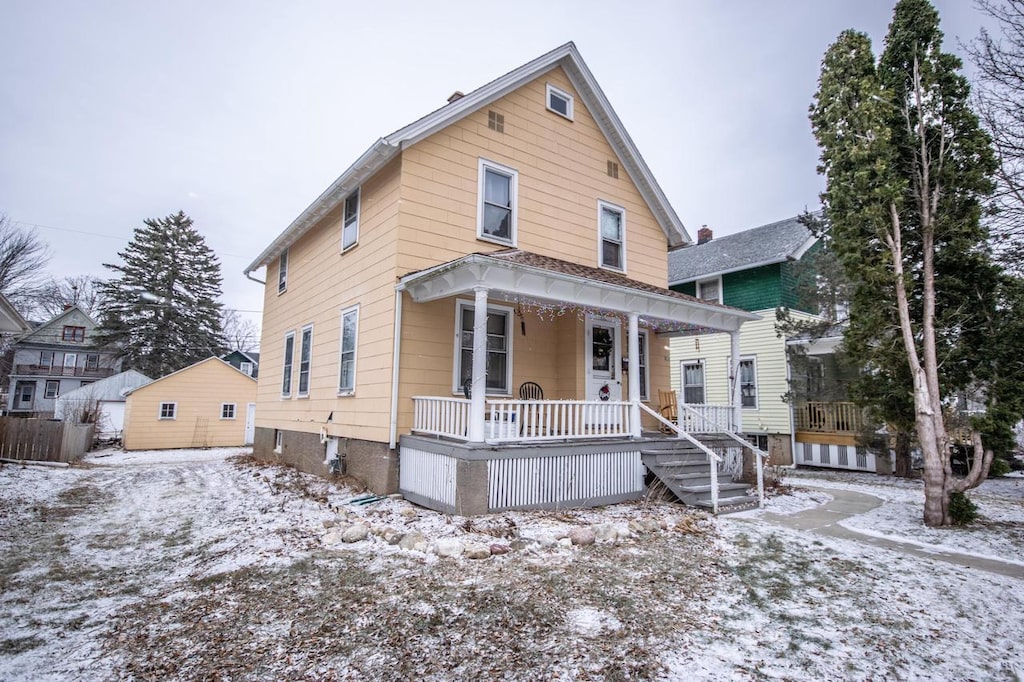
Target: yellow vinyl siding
199,392
757,340
562,167
322,282
421,211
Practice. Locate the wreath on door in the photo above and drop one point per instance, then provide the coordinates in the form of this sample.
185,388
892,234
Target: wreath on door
604,393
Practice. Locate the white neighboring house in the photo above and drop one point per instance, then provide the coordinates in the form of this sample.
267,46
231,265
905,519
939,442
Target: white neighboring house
108,396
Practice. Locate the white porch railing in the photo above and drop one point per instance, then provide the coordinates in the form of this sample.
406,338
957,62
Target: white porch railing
524,421
541,420
705,418
441,416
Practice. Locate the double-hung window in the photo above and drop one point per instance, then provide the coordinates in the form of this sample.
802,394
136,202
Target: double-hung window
52,390
305,359
612,241
350,221
246,367
282,272
46,360
92,361
286,370
499,351
748,383
347,359
642,365
496,214
692,379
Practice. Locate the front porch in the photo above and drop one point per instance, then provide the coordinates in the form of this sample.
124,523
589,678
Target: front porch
471,446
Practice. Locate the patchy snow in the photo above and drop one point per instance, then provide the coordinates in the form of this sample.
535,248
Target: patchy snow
197,564
998,533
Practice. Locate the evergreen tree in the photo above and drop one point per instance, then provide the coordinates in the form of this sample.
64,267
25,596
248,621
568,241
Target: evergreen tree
908,168
161,310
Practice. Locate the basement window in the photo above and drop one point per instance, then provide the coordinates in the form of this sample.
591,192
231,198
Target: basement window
559,101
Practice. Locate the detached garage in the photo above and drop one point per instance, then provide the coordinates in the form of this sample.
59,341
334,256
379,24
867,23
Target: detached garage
208,404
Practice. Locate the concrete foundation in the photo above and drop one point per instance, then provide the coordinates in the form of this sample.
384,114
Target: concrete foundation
370,462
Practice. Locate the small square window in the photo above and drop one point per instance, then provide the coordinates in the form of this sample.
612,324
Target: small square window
227,411
559,101
168,410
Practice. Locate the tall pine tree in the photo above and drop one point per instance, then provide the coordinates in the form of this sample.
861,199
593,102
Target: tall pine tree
908,168
161,309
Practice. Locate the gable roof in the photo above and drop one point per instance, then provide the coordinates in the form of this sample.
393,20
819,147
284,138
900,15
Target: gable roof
114,387
11,320
212,358
386,148
52,322
772,243
246,356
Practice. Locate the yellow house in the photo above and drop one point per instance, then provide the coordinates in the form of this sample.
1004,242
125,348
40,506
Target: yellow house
208,404
525,198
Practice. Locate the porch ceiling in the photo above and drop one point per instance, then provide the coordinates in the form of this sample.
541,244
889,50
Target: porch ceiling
526,278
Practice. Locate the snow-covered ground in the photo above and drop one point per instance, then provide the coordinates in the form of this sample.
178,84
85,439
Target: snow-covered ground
206,565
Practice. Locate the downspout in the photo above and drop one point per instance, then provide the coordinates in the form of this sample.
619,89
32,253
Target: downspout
397,351
792,407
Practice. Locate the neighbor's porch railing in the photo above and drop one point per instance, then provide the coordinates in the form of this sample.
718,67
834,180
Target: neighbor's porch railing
840,417
705,418
524,421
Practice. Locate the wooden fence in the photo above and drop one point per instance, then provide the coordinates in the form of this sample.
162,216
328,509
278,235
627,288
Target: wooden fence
43,440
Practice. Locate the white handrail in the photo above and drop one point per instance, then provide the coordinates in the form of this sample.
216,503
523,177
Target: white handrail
713,458
545,420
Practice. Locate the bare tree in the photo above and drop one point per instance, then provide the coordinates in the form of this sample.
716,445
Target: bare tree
240,333
999,97
23,260
81,290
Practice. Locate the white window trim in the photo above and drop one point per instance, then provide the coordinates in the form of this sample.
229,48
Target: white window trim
246,367
351,310
483,166
682,379
234,411
358,193
288,362
309,378
174,411
757,384
564,95
601,206
699,282
282,272
645,349
56,391
509,313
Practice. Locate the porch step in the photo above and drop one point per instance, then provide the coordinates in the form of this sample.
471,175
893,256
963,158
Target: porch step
684,469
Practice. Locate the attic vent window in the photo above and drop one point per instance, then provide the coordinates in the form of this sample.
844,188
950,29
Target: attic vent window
613,170
559,101
496,121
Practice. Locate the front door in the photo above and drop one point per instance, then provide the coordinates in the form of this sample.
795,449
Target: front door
23,395
604,359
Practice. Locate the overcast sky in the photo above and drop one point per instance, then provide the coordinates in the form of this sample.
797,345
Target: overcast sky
241,113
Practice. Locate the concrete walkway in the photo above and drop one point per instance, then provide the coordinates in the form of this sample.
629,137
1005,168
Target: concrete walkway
824,520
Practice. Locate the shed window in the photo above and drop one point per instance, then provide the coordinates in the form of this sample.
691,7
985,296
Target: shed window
168,410
227,411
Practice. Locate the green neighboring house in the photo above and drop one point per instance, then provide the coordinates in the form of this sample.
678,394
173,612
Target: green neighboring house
755,270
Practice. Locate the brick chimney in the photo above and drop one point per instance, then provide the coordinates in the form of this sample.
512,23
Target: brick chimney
704,234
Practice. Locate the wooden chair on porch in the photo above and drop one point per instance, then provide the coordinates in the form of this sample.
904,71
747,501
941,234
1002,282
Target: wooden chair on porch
669,408
530,390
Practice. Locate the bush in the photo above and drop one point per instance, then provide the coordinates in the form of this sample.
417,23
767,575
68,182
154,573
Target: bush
961,509
1000,467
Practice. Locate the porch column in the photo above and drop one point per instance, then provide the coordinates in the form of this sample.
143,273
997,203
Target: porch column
634,373
737,389
478,392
